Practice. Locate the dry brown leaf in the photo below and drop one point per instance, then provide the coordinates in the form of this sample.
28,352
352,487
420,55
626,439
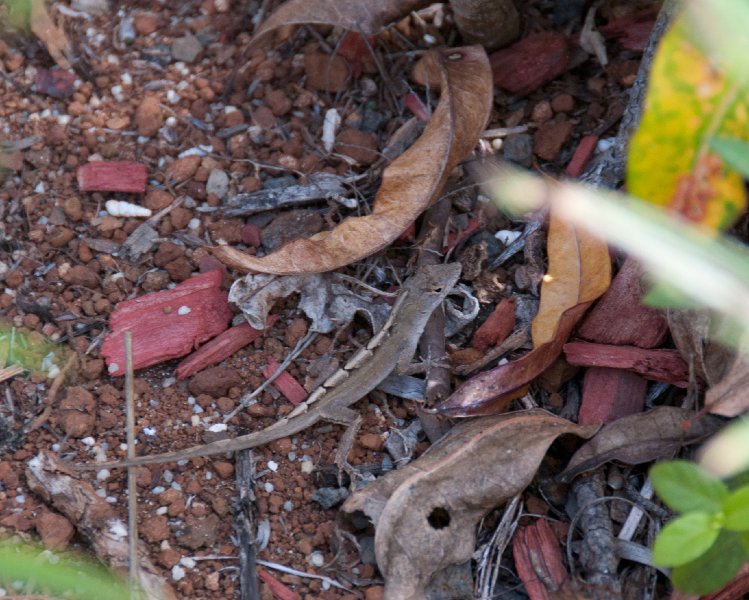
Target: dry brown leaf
642,438
363,16
52,36
409,185
730,396
579,272
426,513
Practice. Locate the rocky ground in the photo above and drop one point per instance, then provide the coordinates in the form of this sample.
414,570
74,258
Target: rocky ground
156,90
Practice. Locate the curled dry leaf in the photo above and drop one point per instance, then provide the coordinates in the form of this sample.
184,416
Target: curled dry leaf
641,438
579,272
426,513
409,185
362,16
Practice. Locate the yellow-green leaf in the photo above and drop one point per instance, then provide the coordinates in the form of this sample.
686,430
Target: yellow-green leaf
671,162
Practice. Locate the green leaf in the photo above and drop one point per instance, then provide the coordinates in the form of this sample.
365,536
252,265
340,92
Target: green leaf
734,152
685,487
684,539
736,510
689,102
714,569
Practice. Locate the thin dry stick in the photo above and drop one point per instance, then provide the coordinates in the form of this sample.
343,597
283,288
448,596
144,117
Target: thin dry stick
132,514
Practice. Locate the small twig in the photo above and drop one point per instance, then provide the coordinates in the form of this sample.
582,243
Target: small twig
53,391
298,349
290,571
244,524
487,571
132,507
515,341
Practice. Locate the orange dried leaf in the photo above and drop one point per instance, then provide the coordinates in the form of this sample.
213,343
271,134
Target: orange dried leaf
579,272
409,185
52,36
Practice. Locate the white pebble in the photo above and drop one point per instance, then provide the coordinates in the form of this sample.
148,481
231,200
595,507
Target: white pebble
177,572
172,97
273,465
188,562
159,489
103,474
162,510
184,310
170,121
149,431
40,188
64,119
307,467
127,79
218,427
329,128
88,441
268,487
117,93
168,382
194,223
316,559
604,144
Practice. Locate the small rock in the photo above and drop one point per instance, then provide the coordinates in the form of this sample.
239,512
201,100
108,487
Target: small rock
212,581
215,381
278,102
542,112
54,529
180,217
183,168
291,225
155,529
179,270
169,557
157,199
60,236
166,253
518,149
360,146
218,183
149,116
550,137
295,331
77,412
264,118
81,275
73,208
562,103
374,592
223,469
326,73
371,441
145,23
199,532
251,235
186,48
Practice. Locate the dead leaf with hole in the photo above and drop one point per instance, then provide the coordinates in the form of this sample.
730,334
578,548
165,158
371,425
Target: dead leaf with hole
425,514
642,438
409,184
52,36
579,272
362,16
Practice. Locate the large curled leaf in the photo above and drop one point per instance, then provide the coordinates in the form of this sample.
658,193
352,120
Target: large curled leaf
670,160
579,272
426,513
641,438
362,16
409,185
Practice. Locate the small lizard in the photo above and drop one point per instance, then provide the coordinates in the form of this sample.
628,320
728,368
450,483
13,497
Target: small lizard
390,349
